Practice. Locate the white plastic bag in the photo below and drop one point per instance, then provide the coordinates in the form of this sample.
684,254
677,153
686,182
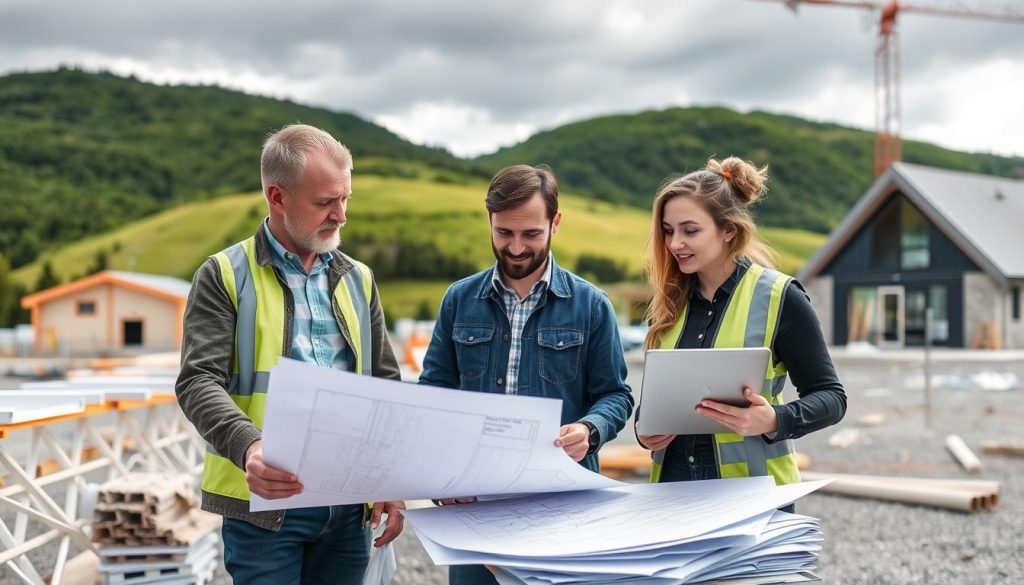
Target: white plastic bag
382,565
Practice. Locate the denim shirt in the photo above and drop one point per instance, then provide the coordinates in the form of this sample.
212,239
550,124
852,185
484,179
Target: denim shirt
570,350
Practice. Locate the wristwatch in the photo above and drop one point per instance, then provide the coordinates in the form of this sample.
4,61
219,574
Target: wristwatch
593,438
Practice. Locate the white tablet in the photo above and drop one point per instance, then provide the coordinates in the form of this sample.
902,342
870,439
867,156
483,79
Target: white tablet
676,380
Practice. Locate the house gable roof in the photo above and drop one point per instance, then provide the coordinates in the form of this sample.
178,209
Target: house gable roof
981,214
164,287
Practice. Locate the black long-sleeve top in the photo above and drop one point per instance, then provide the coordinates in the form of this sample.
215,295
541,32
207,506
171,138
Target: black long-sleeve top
799,344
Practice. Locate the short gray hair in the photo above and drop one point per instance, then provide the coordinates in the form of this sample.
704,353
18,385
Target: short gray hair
285,151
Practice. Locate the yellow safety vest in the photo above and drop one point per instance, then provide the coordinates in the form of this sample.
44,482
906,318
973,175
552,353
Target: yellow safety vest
750,320
259,302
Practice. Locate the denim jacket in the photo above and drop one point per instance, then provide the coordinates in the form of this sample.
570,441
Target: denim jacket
571,350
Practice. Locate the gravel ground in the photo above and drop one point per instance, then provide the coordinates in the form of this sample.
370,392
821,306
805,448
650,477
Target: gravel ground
874,542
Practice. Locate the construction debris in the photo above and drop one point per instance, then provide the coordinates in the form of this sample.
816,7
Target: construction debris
845,438
149,528
1003,448
871,420
621,461
967,495
963,454
194,564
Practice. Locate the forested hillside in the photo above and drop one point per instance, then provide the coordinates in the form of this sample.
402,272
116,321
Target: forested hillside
817,170
102,171
81,153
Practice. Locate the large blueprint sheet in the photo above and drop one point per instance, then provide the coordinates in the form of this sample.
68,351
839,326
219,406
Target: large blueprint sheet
353,439
579,523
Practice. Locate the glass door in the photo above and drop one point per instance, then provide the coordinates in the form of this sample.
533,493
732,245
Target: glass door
892,319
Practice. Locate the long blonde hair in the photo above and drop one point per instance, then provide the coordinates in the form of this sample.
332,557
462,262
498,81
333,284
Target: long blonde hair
725,190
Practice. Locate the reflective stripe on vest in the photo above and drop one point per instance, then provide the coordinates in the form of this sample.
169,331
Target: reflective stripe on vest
259,301
750,320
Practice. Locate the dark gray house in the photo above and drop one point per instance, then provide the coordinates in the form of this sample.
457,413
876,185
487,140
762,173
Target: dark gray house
923,238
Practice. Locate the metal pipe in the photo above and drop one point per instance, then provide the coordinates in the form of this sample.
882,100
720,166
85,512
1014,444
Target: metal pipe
963,454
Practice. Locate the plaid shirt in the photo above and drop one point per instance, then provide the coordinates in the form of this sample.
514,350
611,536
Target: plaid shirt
318,338
518,311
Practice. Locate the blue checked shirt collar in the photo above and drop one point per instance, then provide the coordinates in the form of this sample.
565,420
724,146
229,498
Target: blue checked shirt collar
287,261
317,337
518,312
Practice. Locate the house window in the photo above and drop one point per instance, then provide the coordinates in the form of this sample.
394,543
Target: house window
1015,303
86,308
913,237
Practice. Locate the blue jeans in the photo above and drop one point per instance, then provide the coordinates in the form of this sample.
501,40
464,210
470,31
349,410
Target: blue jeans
679,469
470,575
324,545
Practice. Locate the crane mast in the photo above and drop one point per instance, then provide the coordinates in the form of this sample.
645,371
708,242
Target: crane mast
888,142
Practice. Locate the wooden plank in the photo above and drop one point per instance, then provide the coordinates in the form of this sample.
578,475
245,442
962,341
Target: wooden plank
1003,448
133,404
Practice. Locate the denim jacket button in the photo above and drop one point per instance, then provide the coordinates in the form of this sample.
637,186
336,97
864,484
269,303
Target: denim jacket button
501,381
471,338
561,343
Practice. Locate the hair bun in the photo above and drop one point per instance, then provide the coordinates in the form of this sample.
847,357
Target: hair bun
748,182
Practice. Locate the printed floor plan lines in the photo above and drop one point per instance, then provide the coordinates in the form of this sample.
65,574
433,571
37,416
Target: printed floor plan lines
353,439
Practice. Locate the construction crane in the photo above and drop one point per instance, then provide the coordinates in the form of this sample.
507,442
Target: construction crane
888,145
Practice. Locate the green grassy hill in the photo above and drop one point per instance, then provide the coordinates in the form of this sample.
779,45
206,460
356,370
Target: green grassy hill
81,153
817,170
396,225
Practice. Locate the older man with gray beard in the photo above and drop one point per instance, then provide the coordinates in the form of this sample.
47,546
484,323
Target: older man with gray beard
286,291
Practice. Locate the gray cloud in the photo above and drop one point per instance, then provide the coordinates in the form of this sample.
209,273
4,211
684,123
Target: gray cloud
534,63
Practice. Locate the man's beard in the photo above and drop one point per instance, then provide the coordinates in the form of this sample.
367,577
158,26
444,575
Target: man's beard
314,242
520,271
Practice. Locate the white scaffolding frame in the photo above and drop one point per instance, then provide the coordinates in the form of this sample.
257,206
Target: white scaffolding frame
150,436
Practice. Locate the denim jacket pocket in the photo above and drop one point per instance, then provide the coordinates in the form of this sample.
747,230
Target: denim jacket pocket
472,349
559,354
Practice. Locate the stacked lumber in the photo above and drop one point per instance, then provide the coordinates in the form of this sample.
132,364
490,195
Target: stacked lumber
150,531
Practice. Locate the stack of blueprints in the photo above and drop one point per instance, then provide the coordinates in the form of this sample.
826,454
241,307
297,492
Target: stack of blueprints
687,532
353,439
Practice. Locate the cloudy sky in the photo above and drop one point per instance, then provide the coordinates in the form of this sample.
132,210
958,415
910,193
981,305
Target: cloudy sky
473,75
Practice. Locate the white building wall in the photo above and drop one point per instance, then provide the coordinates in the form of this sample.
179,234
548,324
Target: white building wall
63,329
157,315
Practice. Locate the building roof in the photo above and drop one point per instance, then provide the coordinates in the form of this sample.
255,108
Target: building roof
981,214
165,287
168,284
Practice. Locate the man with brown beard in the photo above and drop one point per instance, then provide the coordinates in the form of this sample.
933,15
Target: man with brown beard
527,326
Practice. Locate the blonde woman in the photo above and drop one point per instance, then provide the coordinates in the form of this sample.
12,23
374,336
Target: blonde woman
715,286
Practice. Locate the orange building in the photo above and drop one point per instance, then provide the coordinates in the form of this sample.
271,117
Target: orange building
108,313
